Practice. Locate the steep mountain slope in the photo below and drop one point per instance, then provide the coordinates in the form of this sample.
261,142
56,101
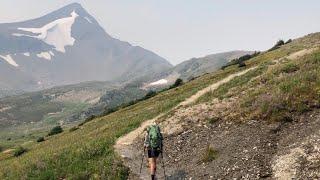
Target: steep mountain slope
68,46
263,124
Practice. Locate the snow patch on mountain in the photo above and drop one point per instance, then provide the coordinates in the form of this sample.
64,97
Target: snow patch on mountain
56,33
160,82
9,60
45,55
26,54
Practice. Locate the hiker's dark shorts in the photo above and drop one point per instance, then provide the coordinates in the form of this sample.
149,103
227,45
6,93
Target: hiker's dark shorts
153,153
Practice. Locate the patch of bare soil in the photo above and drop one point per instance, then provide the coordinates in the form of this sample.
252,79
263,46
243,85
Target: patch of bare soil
251,150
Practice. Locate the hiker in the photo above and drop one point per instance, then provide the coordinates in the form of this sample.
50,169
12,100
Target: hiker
153,144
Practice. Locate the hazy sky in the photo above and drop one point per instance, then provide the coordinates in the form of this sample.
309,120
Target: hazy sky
181,29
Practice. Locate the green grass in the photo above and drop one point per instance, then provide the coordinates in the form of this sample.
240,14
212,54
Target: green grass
19,151
238,85
31,131
227,89
287,93
68,110
273,92
88,153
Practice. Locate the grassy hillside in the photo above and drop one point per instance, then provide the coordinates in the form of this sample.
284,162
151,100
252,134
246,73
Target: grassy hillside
88,152
264,124
91,153
278,89
27,116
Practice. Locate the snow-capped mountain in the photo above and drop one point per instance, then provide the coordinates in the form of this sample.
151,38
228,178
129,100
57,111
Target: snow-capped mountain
65,47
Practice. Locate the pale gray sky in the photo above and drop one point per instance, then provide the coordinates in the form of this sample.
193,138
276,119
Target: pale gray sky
181,29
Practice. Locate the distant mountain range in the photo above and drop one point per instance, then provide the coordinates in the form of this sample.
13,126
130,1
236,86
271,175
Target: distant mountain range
68,46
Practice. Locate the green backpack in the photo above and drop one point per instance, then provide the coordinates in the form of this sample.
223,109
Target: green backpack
155,136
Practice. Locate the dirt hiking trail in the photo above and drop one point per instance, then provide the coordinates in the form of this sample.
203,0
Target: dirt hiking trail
125,146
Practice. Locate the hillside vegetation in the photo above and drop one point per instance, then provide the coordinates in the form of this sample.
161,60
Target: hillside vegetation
278,86
263,124
91,152
26,116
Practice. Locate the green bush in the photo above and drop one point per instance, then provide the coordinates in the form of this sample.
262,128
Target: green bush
1,148
209,155
241,60
289,41
277,45
19,151
40,139
55,130
177,83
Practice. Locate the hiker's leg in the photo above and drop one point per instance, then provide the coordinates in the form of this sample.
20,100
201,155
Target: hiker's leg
152,168
155,165
152,164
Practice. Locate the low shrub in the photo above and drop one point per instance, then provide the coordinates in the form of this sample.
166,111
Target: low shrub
177,83
40,139
277,45
289,68
241,60
289,41
55,130
209,154
19,151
